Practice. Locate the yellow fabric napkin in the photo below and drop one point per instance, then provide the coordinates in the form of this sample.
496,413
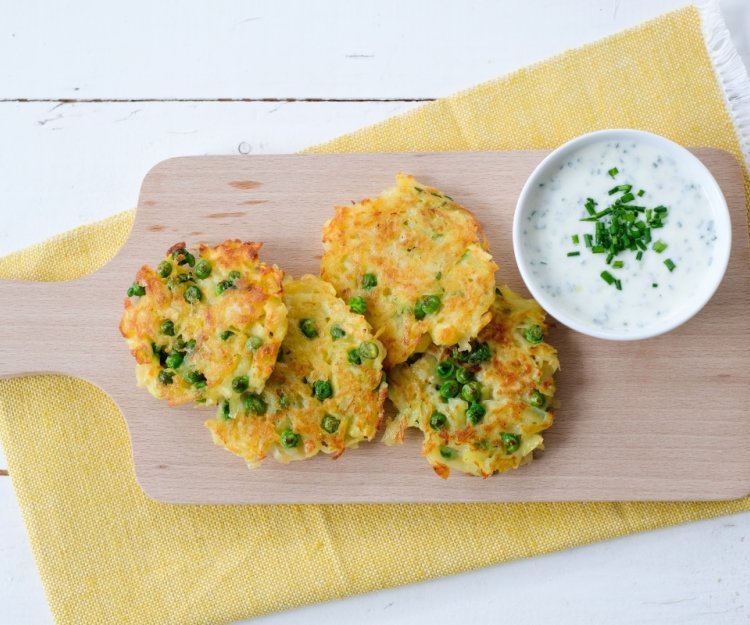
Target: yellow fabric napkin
108,554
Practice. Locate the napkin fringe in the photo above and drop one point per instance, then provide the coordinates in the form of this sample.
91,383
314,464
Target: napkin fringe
730,71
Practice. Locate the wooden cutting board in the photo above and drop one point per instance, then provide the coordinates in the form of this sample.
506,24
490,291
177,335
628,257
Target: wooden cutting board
662,419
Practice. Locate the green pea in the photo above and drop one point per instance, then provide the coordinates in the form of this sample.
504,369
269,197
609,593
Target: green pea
136,290
419,313
254,403
511,442
308,328
337,332
464,375
449,389
226,334
240,383
234,275
322,390
354,357
223,286
175,359
472,391
358,305
196,378
445,369
283,400
369,350
190,345
184,277
290,439
167,327
480,353
460,355
438,420
193,294
203,269
183,257
369,281
330,423
534,334
430,304
253,343
165,377
446,452
475,413
164,269
537,399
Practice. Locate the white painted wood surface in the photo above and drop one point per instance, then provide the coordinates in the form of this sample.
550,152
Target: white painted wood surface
91,165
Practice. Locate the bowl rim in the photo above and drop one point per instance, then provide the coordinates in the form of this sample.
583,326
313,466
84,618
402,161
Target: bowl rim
717,203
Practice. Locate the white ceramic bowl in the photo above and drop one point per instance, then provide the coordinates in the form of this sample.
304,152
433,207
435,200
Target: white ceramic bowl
687,163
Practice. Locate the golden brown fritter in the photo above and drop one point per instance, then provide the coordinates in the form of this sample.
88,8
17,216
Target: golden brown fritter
414,258
326,392
481,410
196,322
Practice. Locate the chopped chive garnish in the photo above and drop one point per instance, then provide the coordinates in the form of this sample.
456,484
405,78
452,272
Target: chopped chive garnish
613,172
598,249
628,197
654,285
618,264
575,239
587,238
669,264
607,277
659,246
618,285
641,193
620,187
574,253
639,255
609,258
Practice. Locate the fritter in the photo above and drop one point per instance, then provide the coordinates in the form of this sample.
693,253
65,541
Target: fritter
326,392
413,262
198,322
481,409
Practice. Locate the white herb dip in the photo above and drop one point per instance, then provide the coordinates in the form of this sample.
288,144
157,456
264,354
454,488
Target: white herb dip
556,206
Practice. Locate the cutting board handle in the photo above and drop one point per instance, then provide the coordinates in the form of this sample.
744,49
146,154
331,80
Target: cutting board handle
54,327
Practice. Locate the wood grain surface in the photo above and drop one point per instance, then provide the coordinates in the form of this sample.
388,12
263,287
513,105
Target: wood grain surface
660,419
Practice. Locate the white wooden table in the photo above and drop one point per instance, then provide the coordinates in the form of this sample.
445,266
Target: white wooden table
93,94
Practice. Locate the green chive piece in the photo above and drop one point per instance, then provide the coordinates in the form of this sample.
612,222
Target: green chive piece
358,305
641,193
613,172
587,239
598,249
330,424
654,285
607,277
639,255
369,281
322,390
659,246
438,420
618,264
308,328
575,239
511,442
669,264
289,439
445,369
574,253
